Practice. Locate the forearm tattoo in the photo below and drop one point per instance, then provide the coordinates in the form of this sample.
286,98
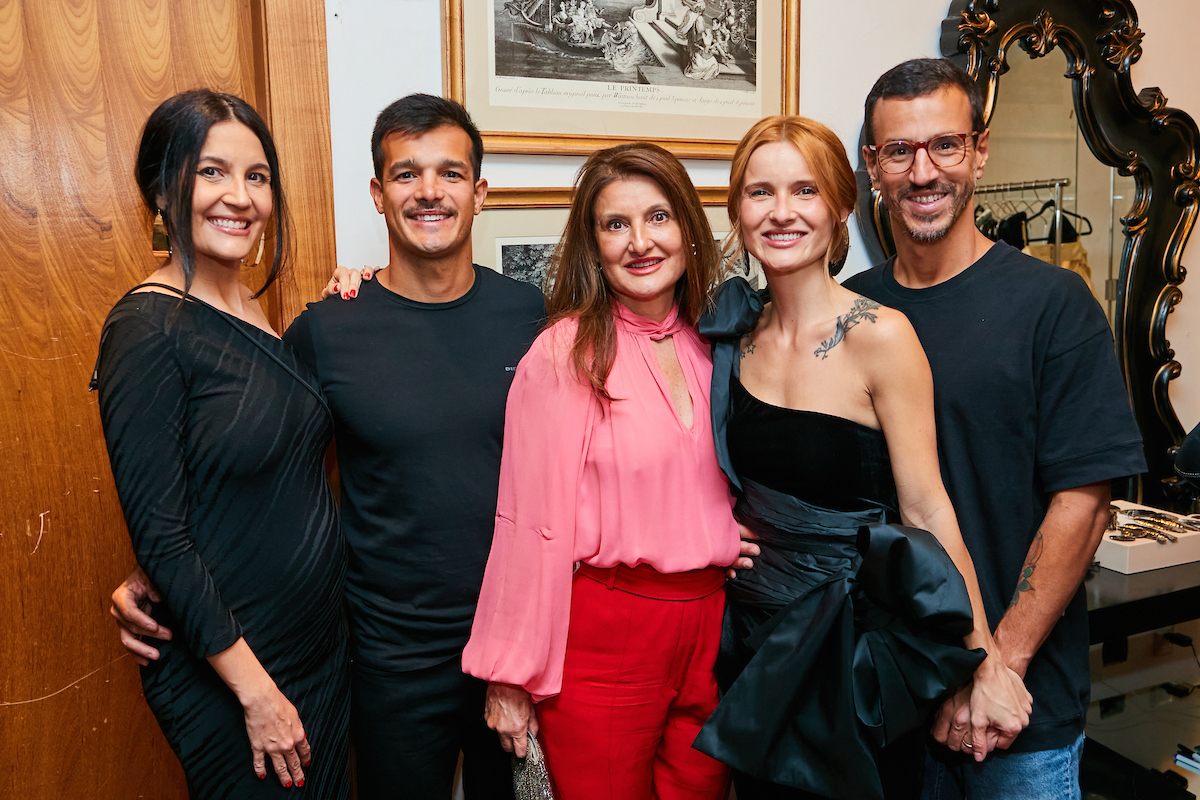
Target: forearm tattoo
1025,584
860,311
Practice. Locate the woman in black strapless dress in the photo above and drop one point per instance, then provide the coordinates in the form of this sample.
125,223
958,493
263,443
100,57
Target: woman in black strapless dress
217,433
851,629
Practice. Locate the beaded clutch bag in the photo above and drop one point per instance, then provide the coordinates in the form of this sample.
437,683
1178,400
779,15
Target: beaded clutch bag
531,778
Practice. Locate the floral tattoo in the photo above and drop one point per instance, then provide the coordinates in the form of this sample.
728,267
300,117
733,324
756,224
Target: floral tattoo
862,310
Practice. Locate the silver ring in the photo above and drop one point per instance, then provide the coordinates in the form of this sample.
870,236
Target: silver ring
967,744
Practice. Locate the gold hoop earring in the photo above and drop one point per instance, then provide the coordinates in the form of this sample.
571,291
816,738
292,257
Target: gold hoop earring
836,263
160,241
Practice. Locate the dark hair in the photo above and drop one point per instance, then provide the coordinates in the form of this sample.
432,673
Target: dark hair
420,113
920,77
576,286
167,157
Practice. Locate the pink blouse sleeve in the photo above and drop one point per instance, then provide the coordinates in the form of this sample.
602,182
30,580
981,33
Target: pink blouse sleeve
519,635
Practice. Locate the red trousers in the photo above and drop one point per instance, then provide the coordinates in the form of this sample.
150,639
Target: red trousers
637,686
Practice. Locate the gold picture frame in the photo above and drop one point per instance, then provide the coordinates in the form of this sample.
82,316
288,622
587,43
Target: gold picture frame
578,116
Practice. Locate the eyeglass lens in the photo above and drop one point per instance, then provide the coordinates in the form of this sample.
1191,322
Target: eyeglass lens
944,151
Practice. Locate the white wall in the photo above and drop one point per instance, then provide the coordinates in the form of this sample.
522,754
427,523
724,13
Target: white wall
380,50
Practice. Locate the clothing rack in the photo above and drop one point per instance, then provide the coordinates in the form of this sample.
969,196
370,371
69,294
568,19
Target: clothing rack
1056,184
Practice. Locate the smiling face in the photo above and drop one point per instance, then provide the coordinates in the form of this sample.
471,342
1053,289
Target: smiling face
927,202
231,198
641,245
785,223
428,195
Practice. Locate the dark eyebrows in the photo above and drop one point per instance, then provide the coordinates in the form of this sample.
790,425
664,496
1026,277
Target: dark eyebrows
220,162
621,215
914,141
408,164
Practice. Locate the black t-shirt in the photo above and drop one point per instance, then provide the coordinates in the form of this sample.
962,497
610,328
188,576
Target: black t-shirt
1029,401
417,392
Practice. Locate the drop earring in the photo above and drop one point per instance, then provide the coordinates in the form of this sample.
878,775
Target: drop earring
262,241
160,241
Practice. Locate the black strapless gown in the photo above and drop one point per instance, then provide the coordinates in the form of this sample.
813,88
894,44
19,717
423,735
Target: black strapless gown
848,632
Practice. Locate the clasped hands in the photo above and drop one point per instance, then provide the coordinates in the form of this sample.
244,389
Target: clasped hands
987,713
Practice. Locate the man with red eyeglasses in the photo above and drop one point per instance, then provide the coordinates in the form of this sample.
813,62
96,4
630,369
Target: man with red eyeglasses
1033,422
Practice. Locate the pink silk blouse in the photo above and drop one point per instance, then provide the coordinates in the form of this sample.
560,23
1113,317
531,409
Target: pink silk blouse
623,483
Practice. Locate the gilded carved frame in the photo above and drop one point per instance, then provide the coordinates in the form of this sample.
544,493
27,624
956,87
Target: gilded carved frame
1136,133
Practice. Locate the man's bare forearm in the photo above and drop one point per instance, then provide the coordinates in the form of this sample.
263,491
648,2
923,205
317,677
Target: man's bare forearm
1059,556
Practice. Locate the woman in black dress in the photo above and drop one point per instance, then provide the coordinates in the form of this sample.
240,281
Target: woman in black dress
850,629
216,433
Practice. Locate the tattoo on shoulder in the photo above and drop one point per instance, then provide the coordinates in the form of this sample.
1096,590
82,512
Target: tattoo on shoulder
746,348
1025,584
863,309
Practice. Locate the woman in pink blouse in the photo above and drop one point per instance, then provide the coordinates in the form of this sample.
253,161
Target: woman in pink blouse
603,594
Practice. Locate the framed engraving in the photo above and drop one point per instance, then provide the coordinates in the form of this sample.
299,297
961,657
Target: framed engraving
568,77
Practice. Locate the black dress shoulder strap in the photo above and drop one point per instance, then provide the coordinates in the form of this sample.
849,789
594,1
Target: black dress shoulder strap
231,320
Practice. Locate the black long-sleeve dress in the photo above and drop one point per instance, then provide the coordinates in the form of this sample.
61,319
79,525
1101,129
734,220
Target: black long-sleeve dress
216,433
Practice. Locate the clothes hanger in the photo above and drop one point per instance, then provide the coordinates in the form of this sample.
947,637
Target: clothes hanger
1070,234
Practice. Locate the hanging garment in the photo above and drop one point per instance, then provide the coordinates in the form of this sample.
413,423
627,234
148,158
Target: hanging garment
1073,257
1011,229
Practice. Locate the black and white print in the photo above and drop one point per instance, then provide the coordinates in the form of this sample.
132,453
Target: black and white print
643,55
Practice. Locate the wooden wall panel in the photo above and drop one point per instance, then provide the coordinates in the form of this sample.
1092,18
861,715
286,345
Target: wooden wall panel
77,80
297,89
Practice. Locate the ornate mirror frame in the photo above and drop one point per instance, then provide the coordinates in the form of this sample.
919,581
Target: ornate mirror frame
1138,134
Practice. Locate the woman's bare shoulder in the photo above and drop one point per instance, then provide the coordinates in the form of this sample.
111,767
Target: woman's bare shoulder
880,325
878,334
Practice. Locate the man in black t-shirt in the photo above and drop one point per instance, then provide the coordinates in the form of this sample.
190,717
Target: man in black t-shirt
1032,415
416,372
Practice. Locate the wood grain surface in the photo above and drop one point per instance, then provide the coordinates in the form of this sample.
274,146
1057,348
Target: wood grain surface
297,85
77,80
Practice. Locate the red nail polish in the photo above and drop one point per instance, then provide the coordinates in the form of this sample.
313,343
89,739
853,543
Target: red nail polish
354,292
306,763
299,783
335,287
287,785
262,776
345,295
367,275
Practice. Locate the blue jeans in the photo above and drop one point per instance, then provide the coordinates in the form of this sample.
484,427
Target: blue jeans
1040,775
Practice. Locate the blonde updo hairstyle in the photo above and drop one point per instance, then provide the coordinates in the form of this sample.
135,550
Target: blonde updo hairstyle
832,173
